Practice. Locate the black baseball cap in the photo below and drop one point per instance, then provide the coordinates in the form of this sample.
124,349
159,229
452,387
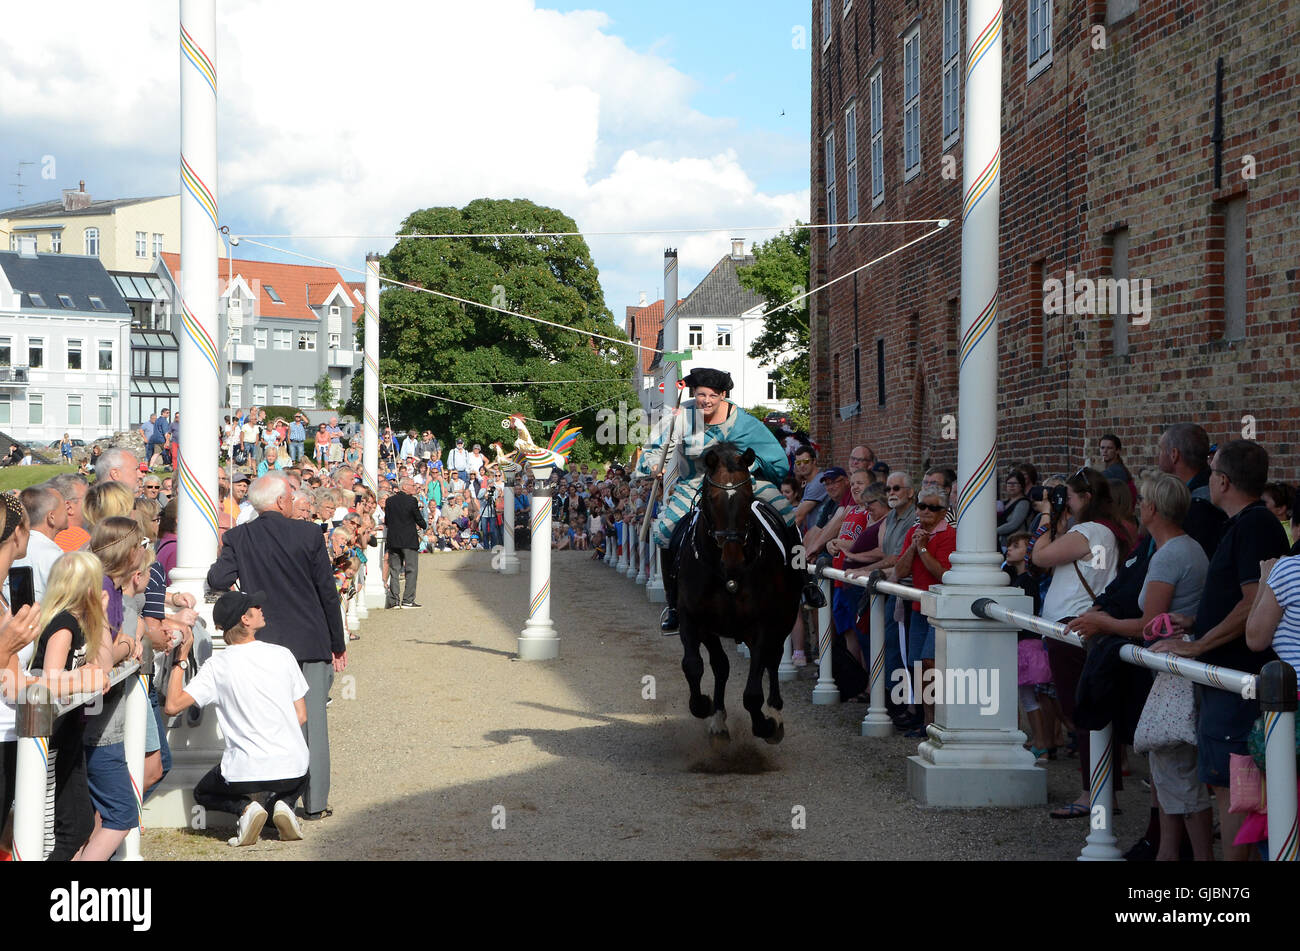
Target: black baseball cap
834,472
232,606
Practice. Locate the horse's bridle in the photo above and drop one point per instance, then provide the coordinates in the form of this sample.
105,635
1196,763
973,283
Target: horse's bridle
729,534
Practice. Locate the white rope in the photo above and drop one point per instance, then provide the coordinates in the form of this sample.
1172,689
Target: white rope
612,379
599,234
448,399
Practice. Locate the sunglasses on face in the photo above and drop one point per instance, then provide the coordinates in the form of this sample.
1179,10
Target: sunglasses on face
894,488
930,508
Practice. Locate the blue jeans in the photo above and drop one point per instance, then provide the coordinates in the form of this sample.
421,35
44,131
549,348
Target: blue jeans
920,640
295,449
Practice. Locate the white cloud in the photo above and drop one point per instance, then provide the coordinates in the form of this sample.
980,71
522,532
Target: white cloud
339,118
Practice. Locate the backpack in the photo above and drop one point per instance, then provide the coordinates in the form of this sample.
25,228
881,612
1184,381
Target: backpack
240,456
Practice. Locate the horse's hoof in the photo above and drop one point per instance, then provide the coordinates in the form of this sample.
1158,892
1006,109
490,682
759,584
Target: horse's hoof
720,741
701,707
777,735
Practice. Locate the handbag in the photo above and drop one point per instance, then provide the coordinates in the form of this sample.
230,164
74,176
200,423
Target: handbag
1169,715
1246,790
1032,665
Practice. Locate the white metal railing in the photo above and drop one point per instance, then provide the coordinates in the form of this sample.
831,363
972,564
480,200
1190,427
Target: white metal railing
37,714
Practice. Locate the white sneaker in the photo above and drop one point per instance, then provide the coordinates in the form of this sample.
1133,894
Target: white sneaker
285,821
250,825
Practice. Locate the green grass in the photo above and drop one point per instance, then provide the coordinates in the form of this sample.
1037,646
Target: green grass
20,477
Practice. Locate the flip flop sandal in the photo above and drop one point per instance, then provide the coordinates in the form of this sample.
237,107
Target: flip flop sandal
1072,811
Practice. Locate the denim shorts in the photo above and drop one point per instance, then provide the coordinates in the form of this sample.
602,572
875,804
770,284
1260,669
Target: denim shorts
920,641
111,791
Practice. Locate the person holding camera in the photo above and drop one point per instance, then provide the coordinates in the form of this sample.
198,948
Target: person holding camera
1084,557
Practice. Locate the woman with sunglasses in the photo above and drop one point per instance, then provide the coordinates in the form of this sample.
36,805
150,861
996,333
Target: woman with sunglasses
1084,557
927,554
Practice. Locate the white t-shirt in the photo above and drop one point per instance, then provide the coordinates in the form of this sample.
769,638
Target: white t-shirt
1066,596
1285,582
253,687
42,553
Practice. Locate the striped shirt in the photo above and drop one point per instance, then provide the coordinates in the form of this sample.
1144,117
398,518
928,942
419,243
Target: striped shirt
1285,582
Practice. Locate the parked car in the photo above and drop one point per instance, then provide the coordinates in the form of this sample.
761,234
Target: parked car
76,444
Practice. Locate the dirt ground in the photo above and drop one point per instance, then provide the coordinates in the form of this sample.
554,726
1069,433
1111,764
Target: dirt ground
445,746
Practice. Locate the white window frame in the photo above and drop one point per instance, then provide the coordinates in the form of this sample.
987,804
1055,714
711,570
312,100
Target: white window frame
1038,29
141,244
912,103
281,390
237,334
830,188
723,336
259,394
695,336
56,242
157,243
235,304
80,351
105,403
771,389
39,343
336,341
851,161
6,409
36,408
306,342
828,23
7,345
335,310
74,403
877,138
282,340
236,395
951,74
306,397
99,353
260,336
92,242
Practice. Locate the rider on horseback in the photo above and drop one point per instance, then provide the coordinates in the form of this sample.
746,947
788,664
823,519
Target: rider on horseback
710,418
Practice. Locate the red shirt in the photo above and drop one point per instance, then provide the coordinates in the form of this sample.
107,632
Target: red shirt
942,543
855,520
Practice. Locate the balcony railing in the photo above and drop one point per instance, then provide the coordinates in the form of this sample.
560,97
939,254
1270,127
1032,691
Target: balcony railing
242,353
13,376
341,358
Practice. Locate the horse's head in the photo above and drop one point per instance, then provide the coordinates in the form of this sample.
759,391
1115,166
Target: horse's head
726,504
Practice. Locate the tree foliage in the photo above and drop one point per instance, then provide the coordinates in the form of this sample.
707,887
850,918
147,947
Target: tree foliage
428,339
779,273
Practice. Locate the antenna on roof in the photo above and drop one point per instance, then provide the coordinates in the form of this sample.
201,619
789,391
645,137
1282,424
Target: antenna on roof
18,180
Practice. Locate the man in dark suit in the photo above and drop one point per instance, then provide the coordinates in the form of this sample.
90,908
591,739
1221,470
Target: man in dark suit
403,522
277,553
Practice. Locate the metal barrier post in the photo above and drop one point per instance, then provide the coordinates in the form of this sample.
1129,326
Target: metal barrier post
654,588
1102,846
787,671
538,640
36,715
137,708
825,692
877,722
643,566
1276,689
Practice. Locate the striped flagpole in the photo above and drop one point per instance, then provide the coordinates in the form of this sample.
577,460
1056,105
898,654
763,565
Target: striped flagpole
538,640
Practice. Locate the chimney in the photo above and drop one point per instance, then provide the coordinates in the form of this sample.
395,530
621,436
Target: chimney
643,301
737,248
76,199
670,370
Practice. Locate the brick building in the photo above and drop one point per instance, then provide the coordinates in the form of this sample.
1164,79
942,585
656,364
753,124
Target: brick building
1110,173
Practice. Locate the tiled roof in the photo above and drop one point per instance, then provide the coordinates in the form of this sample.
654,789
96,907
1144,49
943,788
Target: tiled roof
52,209
299,286
77,276
720,293
643,324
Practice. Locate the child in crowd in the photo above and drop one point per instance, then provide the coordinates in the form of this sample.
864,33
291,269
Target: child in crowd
1033,672
579,533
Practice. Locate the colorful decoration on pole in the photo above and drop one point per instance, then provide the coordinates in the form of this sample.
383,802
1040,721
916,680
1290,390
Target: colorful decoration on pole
553,455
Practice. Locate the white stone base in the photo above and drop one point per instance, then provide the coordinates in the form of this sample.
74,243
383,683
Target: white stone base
976,785
538,648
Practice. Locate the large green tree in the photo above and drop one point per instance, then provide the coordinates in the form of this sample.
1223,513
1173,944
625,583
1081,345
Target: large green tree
780,273
424,338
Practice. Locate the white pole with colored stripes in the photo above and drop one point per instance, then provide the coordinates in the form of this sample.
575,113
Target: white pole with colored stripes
973,753
196,307
373,593
538,640
134,728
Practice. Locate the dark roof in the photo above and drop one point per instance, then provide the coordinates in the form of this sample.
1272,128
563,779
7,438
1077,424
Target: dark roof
76,275
720,293
51,209
659,345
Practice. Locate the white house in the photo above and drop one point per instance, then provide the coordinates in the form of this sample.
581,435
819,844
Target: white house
64,347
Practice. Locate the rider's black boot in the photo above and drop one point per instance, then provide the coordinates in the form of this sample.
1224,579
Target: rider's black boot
811,592
668,620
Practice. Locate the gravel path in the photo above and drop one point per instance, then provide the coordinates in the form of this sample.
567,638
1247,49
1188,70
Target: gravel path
442,734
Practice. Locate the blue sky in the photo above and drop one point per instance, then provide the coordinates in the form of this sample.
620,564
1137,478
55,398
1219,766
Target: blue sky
627,116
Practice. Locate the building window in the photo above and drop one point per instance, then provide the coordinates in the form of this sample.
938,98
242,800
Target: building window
92,242
106,355
74,354
259,338
827,22
1039,37
877,141
234,304
283,395
335,341
36,352
141,244
334,310
1119,244
851,160
66,302
74,409
157,244
880,372
259,394
830,187
236,395
647,382
6,409
6,351
771,389
951,71
283,340
724,336
306,397
1234,267
56,243
106,411
237,334
695,335
35,409
270,292
912,103
97,303
307,341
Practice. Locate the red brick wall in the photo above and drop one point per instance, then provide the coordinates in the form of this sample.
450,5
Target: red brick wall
1103,138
